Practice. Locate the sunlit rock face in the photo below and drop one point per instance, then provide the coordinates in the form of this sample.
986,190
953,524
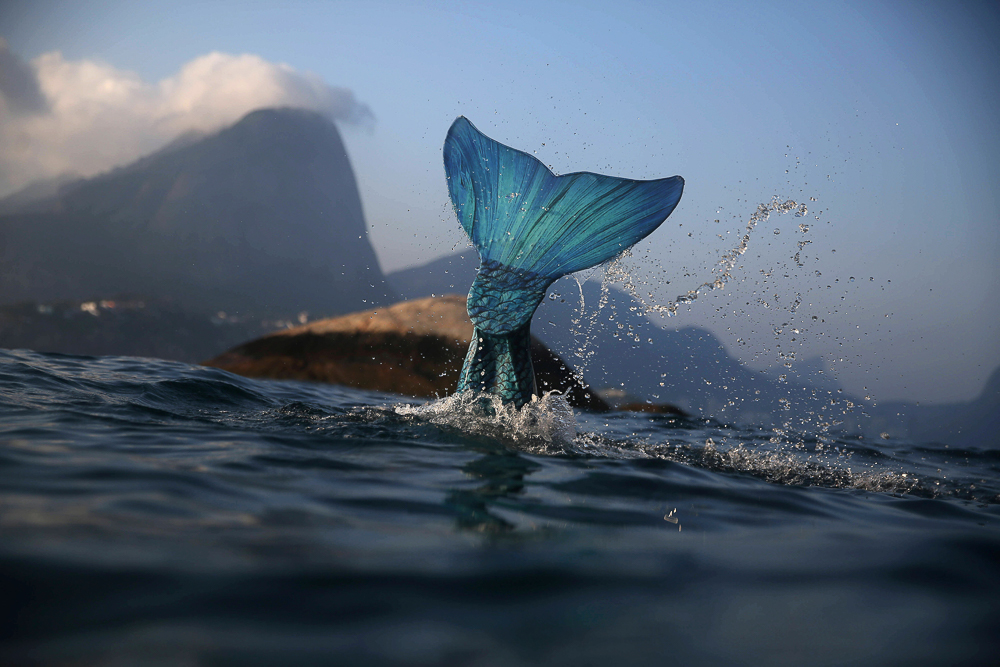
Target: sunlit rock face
261,218
413,348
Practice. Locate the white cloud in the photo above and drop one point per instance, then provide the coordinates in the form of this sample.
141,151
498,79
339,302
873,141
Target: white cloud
96,116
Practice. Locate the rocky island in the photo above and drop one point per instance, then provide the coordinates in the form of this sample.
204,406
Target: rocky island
413,348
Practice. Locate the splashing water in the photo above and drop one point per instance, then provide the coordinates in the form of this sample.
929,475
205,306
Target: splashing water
616,271
831,412
541,426
778,461
548,426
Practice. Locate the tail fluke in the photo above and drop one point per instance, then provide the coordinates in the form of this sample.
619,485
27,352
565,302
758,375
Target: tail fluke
521,215
532,227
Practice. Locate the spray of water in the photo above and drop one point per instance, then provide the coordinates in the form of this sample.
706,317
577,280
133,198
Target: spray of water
544,425
617,272
778,462
548,426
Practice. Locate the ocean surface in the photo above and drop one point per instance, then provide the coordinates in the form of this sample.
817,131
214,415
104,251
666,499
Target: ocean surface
157,513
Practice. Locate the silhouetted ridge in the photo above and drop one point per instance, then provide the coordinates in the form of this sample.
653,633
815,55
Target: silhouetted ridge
263,217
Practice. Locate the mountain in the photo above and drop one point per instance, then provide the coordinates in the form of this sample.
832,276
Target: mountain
37,192
125,326
262,218
975,423
452,274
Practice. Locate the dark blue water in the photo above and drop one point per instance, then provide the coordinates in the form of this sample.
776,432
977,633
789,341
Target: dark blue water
154,513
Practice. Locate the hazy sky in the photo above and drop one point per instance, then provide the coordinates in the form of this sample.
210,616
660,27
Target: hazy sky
881,117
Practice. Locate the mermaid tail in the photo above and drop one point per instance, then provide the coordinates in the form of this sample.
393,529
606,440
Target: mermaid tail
531,228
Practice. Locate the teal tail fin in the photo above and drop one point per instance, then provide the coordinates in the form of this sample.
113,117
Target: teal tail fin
532,227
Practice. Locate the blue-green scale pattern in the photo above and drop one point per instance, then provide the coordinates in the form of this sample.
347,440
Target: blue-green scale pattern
501,303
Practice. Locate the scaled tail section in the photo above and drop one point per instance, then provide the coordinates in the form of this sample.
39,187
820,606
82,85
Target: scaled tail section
532,227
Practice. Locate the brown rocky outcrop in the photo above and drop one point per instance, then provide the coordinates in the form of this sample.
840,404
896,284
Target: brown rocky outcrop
415,348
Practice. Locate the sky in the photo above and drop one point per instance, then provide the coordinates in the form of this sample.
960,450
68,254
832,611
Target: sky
880,117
